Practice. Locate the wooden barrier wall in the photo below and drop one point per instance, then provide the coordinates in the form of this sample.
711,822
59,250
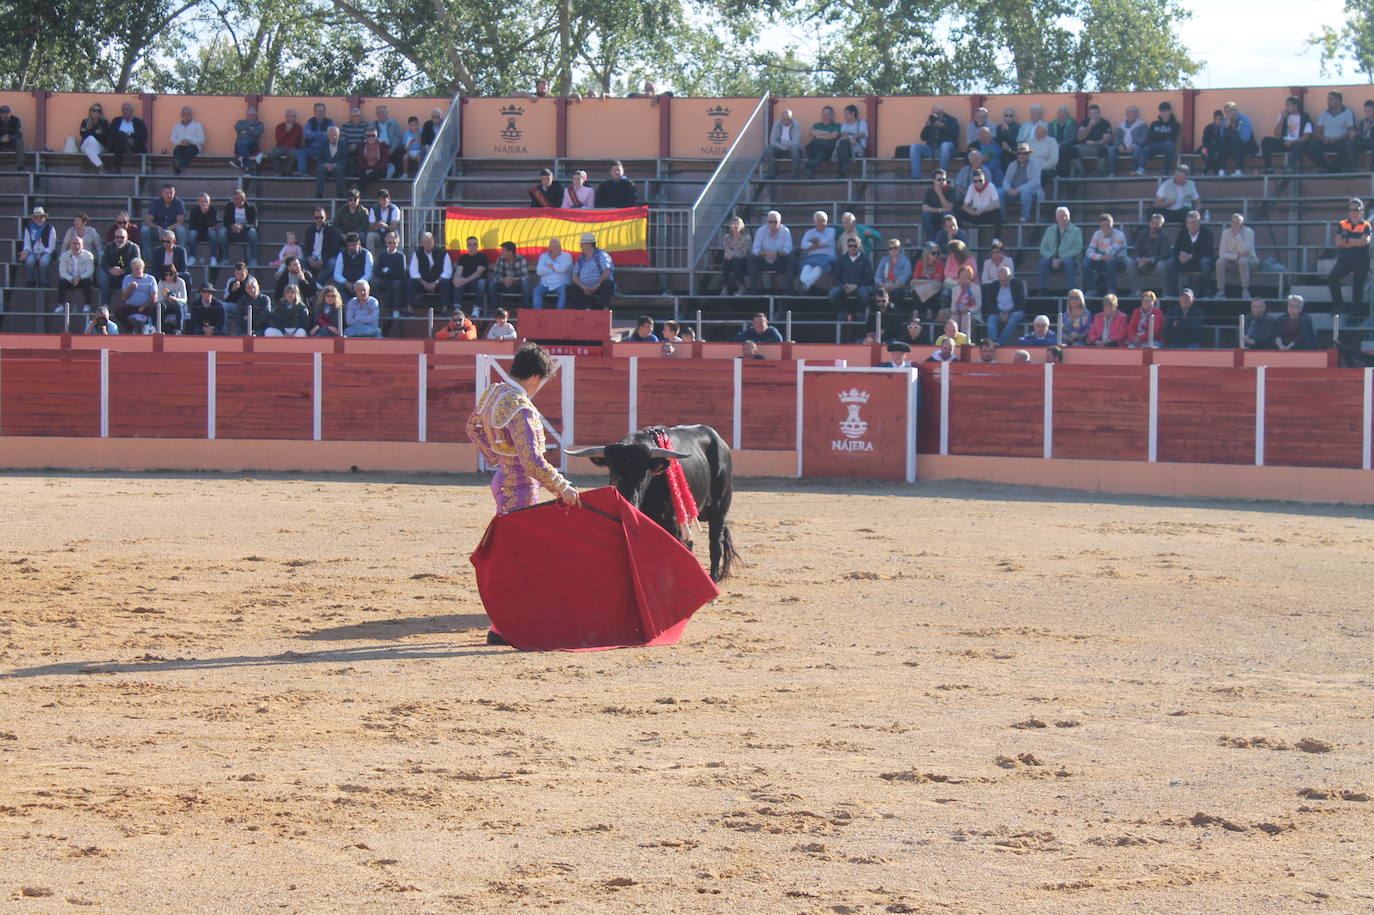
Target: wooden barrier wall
291,390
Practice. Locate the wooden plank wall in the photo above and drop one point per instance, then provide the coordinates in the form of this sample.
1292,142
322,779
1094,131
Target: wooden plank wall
1101,410
264,395
1206,415
49,392
673,392
768,405
1313,418
997,409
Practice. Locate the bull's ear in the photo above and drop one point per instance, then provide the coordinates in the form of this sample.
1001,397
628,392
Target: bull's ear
658,465
598,461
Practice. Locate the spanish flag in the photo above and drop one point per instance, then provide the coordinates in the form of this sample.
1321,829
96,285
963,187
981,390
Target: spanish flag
624,234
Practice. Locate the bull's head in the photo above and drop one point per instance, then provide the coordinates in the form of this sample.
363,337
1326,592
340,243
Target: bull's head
631,466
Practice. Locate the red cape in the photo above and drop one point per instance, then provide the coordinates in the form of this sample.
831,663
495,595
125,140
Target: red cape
578,579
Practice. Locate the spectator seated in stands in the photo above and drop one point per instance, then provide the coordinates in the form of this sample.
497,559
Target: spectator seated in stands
1040,334
430,129
940,200
1237,140
927,282
457,328
362,313
1005,299
501,328
322,244
960,255
390,275
1292,129
617,191
313,137
1077,321
471,275
203,225
853,277
81,228
289,139
382,217
353,263
952,333
1236,250
982,206
138,300
1352,236
1213,143
412,151
1044,152
1295,330
1184,324
293,273
1147,323
431,275
817,251
825,144
241,227
288,317
750,350
1153,251
102,323
946,352
354,130
1094,143
166,211
373,160
939,137
1176,196
188,139
1364,137
171,299
254,307
206,314
593,276
37,249
1008,134
234,290
1161,140
643,332
1130,135
577,195
853,139
548,193
1022,183
554,269
759,331
327,314
332,153
1333,135
965,298
1194,253
869,238
973,156
950,233
1035,116
994,161
510,275
893,271
996,260
671,332
1061,247
975,124
987,350
248,131
1109,325
353,216
167,254
1105,256
128,135
784,142
116,262
1064,130
772,251
290,248
12,136
76,273
389,133
94,136
1261,329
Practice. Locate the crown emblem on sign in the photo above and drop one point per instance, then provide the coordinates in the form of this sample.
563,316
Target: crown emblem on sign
854,395
512,111
720,111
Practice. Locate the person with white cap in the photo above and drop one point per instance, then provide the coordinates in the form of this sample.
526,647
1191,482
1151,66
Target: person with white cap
593,277
39,245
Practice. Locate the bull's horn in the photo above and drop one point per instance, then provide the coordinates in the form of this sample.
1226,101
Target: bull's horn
665,453
594,451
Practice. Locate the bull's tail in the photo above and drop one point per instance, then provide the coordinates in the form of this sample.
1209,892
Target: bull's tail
728,555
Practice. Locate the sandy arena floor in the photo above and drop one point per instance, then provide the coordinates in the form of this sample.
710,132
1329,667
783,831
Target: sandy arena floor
223,694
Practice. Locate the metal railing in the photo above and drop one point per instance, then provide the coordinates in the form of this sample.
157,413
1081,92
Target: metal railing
433,171
727,184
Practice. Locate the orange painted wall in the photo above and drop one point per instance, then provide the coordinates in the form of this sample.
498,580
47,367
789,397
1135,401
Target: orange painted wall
527,129
903,117
23,105
613,128
704,128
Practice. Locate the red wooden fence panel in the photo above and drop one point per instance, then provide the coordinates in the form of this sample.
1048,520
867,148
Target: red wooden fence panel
449,398
678,392
49,392
997,410
928,417
158,395
370,398
1314,418
1206,415
601,400
768,405
1101,412
265,395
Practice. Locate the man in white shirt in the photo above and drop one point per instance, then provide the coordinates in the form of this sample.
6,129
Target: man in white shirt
188,139
1176,196
772,250
431,273
1292,130
382,218
982,205
784,142
1044,151
554,269
1037,117
1105,256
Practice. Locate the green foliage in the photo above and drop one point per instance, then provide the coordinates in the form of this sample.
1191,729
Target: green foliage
1350,45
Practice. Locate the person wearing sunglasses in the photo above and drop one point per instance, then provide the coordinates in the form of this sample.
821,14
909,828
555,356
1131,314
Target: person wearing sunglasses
95,135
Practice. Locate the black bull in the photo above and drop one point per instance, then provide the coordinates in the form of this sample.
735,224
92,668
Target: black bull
637,464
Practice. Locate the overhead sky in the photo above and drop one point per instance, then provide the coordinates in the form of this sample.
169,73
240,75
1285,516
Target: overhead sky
1260,42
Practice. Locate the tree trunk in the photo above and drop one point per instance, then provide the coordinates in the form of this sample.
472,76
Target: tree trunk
564,47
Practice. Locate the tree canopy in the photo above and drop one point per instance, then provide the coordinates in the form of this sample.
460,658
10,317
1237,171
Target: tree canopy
1352,44
486,47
